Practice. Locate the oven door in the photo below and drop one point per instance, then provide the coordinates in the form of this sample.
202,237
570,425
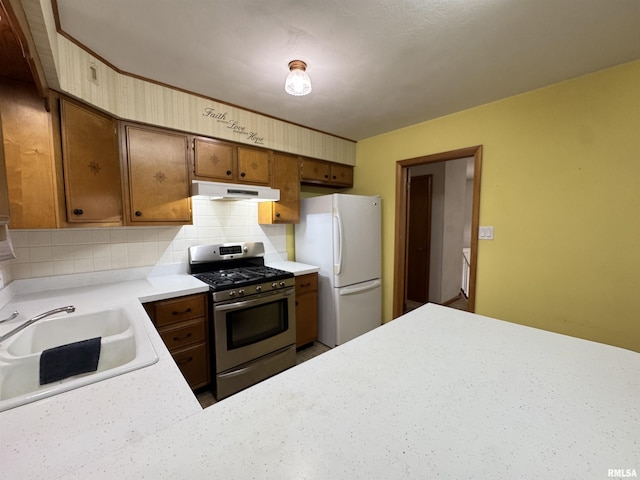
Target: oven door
247,329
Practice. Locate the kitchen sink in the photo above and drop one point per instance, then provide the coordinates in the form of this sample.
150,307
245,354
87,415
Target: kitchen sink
125,346
68,329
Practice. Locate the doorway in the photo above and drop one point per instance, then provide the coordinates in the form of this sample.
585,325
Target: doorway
418,240
403,257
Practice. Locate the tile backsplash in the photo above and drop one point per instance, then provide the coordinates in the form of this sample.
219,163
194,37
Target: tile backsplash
42,253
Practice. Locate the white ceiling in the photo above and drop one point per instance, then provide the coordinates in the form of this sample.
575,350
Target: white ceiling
375,65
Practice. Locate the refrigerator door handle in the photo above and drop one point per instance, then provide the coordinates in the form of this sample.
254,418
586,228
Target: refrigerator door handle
337,268
360,288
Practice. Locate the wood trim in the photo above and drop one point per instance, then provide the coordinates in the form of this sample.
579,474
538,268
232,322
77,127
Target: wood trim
400,253
451,300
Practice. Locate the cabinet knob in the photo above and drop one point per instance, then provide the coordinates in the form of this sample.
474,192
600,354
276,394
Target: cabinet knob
138,213
78,211
228,172
243,174
277,215
334,177
326,176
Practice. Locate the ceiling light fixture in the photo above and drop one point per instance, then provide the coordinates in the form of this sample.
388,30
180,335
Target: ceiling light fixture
298,82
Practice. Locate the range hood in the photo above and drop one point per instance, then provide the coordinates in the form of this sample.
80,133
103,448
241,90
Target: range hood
232,191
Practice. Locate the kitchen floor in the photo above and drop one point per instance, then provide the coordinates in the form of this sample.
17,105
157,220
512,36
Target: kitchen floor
207,399
461,303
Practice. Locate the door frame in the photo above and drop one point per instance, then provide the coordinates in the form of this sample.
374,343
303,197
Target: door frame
400,253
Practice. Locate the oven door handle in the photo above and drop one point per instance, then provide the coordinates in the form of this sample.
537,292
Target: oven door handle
252,301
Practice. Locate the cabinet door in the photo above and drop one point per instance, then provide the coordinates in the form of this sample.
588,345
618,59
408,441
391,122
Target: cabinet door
315,170
214,159
91,165
253,166
158,186
306,309
286,178
342,174
29,156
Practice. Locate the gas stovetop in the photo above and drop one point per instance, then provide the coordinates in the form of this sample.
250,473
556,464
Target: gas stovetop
232,266
242,276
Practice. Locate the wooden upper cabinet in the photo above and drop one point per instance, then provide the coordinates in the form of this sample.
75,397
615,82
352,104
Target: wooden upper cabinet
315,170
29,156
227,162
286,178
91,167
157,178
214,159
330,174
253,166
341,174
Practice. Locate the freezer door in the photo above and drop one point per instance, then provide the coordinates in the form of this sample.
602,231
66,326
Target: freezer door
357,252
358,310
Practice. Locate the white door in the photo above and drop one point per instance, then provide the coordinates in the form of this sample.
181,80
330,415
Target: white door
358,310
357,253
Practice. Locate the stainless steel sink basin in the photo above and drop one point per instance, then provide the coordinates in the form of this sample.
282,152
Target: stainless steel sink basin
125,346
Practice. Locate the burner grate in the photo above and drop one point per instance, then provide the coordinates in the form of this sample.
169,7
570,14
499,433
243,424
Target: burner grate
240,276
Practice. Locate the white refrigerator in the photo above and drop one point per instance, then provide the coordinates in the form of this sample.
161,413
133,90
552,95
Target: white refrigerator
341,234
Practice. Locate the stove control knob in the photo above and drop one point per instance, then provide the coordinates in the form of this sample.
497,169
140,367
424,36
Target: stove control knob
274,285
240,292
259,288
281,284
232,293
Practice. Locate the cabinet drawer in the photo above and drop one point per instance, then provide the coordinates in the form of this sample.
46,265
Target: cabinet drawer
194,365
187,333
306,283
180,309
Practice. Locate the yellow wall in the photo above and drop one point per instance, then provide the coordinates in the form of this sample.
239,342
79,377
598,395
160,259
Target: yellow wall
561,186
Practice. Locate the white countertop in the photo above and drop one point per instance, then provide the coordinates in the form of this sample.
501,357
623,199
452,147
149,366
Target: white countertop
53,436
437,393
296,268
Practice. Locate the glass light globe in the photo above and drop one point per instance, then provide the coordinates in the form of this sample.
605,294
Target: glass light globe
298,82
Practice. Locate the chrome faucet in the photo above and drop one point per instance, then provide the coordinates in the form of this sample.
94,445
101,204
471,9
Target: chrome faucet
19,328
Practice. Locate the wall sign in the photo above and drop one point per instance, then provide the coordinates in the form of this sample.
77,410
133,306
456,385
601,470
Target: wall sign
233,125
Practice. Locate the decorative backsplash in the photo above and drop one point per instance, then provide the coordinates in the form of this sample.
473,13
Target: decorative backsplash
43,253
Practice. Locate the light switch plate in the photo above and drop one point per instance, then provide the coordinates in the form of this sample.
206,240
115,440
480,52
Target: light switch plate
485,233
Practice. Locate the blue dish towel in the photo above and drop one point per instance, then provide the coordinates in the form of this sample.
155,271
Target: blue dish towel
71,359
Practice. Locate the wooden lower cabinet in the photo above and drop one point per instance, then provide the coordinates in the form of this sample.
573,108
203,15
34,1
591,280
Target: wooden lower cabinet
183,325
193,362
306,309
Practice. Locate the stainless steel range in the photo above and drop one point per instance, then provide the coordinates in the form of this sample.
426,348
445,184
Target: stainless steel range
253,314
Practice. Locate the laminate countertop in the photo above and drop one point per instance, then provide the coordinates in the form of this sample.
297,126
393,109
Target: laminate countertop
296,268
436,393
55,435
